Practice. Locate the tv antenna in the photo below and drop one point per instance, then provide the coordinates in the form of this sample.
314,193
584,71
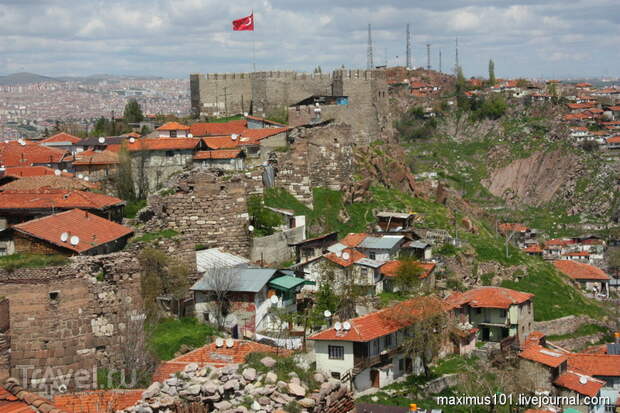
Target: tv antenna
428,56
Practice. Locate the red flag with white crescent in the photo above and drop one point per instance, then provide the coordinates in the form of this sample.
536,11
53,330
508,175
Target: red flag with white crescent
245,23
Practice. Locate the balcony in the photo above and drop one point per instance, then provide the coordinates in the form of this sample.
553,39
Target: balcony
360,362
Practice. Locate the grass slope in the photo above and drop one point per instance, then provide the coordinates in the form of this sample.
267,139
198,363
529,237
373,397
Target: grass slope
168,335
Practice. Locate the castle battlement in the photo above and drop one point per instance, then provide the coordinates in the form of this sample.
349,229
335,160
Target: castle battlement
361,74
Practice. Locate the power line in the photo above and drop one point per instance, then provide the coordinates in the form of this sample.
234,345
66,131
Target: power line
369,62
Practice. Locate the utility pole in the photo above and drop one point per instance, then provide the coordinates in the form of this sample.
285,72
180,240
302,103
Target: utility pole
439,60
369,63
386,58
408,61
456,55
428,56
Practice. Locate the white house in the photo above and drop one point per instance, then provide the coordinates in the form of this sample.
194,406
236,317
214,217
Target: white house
173,130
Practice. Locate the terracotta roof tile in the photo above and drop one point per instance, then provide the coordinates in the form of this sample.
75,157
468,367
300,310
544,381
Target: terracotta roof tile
533,249
56,198
559,242
572,380
163,144
26,171
35,183
615,139
544,356
97,401
383,322
15,399
352,255
14,154
390,268
595,364
91,229
218,154
213,356
489,297
173,126
221,142
507,226
576,254
353,239
580,271
96,158
256,135
62,137
218,128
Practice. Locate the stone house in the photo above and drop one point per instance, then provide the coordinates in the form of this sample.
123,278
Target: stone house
314,247
394,221
64,142
226,159
95,165
173,130
497,312
368,350
590,278
389,271
338,269
23,153
519,233
70,233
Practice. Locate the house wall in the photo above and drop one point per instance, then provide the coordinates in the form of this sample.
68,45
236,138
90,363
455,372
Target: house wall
327,366
524,319
235,164
157,167
88,326
273,142
537,374
95,172
275,248
25,244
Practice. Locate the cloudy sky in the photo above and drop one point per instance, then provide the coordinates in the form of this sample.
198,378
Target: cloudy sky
171,38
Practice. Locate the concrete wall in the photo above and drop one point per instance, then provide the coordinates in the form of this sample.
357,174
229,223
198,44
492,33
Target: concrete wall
157,167
275,248
327,366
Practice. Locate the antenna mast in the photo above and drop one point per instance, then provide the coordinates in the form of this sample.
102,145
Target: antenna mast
428,56
370,64
408,61
456,68
439,60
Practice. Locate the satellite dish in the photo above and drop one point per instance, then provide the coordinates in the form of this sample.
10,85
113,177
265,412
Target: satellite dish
219,342
234,136
317,110
21,142
65,171
86,178
338,254
75,240
230,342
346,255
64,236
245,113
189,135
346,325
80,176
338,326
57,172
583,380
327,313
250,228
102,140
132,140
316,104
274,299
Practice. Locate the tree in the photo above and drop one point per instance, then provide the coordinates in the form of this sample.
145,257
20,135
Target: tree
124,175
220,282
264,220
460,89
133,112
492,79
408,275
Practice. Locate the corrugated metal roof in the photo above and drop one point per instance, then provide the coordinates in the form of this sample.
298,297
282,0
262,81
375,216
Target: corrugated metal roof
418,244
248,280
367,262
386,242
336,248
286,282
386,214
215,258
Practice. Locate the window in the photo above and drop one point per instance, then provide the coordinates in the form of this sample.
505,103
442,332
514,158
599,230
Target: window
372,255
335,375
401,364
335,352
478,310
54,296
502,313
169,154
173,134
388,340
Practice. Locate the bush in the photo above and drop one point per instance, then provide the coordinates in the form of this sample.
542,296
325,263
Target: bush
263,219
167,336
132,208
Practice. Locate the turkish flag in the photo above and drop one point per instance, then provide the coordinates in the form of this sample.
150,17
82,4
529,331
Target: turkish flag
245,23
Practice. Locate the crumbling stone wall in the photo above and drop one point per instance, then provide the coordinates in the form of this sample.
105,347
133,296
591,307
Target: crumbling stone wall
208,210
5,340
320,157
77,316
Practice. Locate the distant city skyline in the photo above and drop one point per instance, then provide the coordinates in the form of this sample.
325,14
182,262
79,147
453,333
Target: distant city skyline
545,38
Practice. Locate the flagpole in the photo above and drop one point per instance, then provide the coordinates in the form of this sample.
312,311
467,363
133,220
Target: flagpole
253,42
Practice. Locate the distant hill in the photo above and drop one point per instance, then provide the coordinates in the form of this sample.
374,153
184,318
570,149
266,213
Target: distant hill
24,78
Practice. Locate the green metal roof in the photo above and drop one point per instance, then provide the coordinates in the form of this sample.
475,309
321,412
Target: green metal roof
286,282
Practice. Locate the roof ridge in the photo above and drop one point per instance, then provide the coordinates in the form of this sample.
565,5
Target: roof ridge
31,399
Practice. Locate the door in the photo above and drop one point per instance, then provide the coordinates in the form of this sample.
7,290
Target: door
485,334
235,331
408,365
374,378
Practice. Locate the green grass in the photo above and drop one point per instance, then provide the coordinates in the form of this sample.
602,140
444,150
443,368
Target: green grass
453,364
15,261
386,298
225,119
132,208
554,296
284,365
582,330
168,335
153,236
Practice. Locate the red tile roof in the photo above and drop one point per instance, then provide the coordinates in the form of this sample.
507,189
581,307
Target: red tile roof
62,137
572,380
579,128
580,271
489,297
214,356
576,254
351,254
390,268
173,126
543,355
47,182
353,239
14,154
535,249
218,154
579,105
132,135
91,229
615,139
95,158
221,142
583,84
385,321
595,364
256,135
559,242
506,227
27,171
163,144
56,198
15,399
11,404
97,401
215,128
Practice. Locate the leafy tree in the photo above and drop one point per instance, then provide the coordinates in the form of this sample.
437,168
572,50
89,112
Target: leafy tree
460,89
145,130
263,219
408,275
125,186
492,79
493,107
133,112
